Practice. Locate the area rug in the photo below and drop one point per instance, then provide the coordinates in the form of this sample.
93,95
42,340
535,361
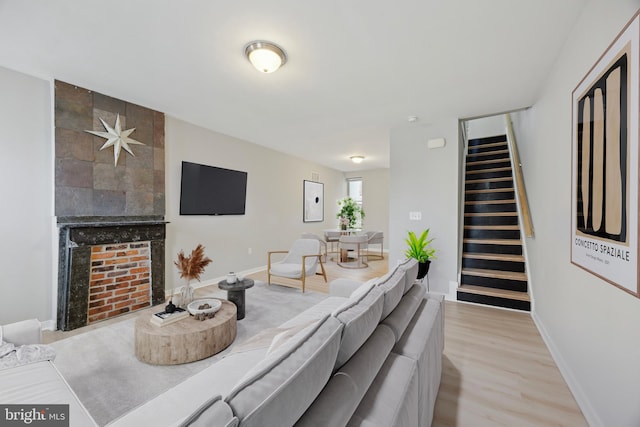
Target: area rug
101,366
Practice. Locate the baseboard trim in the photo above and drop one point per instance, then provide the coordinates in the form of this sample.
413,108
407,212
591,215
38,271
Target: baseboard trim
574,386
215,280
48,325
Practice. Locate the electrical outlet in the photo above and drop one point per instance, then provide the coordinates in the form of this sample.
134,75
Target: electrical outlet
415,216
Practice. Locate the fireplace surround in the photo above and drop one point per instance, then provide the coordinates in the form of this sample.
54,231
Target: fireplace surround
77,237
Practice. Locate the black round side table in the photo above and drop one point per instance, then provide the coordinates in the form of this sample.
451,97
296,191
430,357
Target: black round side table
235,293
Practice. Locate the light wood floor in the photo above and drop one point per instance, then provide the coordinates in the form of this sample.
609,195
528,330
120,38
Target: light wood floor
496,371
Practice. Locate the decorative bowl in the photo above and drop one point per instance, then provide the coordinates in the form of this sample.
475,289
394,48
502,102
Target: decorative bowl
214,305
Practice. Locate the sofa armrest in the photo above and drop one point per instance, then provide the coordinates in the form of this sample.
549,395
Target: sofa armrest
21,333
343,287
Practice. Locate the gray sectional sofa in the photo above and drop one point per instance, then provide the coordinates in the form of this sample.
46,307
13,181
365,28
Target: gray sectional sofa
368,355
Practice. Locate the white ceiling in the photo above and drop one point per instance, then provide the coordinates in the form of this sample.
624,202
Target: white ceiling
356,68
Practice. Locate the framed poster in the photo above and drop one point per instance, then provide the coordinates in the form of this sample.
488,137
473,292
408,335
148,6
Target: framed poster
313,201
604,203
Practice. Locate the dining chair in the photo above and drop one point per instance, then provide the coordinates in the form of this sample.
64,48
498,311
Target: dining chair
332,237
300,262
356,243
376,238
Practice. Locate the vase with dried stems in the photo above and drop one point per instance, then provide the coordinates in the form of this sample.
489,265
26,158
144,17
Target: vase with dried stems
190,268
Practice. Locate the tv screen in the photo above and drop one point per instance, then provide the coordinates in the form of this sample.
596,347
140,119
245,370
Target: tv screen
209,190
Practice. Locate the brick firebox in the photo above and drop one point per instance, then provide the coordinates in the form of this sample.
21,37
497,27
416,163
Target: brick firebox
109,239
120,279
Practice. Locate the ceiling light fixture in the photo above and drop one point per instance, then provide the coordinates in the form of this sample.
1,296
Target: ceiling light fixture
357,159
265,56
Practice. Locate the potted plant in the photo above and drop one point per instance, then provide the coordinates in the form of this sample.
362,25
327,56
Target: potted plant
420,249
350,212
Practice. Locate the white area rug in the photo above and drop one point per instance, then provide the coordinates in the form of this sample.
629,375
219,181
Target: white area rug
102,368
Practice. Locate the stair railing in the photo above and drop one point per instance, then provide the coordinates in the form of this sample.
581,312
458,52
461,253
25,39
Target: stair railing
521,192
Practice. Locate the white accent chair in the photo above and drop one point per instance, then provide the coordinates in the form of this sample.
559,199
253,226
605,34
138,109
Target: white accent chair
303,252
323,244
376,238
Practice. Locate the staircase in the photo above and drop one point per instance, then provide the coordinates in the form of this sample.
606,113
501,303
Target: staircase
493,266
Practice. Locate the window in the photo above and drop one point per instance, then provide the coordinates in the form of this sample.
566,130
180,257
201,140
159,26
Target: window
354,189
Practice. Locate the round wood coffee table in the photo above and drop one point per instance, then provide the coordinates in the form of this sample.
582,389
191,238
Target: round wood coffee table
186,340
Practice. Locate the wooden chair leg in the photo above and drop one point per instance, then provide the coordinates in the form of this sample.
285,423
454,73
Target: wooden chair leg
268,269
324,273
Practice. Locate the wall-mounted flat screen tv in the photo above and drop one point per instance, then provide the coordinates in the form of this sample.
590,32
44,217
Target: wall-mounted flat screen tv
209,190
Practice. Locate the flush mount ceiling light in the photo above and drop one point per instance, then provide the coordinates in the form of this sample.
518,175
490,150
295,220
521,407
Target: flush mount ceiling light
357,159
265,56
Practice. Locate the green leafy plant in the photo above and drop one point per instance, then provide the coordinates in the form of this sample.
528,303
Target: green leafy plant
349,211
419,247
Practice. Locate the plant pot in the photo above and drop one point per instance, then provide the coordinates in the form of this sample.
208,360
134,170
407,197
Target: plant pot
423,269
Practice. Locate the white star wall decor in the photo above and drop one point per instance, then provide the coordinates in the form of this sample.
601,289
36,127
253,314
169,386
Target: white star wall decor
117,138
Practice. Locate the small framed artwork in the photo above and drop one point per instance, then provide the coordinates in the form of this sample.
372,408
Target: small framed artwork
313,210
604,187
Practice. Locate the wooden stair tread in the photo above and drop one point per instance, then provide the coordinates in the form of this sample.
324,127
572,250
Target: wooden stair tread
491,144
492,227
488,153
486,162
490,190
493,257
496,274
511,213
506,168
479,180
492,292
488,202
493,241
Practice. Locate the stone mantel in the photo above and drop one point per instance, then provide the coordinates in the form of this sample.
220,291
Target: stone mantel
107,221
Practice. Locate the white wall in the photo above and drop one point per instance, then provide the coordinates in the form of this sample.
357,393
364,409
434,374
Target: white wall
26,173
591,327
273,216
486,126
426,180
375,200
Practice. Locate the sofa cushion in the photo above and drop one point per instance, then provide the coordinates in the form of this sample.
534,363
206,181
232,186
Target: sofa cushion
360,317
392,399
393,288
279,388
173,405
339,399
333,405
401,316
343,287
316,312
359,292
213,413
423,342
411,266
41,382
